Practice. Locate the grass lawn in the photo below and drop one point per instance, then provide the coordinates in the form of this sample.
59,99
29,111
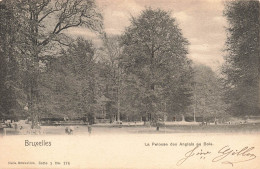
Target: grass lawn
103,130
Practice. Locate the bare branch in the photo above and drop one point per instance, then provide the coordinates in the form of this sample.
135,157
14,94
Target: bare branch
47,14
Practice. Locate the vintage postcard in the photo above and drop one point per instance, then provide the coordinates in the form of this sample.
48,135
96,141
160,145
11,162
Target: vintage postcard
136,84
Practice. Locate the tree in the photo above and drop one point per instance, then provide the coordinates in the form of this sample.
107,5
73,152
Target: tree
241,71
207,94
154,50
110,55
11,93
132,108
80,58
42,25
69,82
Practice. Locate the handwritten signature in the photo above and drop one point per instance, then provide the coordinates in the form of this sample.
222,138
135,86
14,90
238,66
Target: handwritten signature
241,155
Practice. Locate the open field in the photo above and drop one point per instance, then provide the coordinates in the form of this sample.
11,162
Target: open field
139,129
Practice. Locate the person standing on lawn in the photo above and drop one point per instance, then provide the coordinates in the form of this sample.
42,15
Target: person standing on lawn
89,129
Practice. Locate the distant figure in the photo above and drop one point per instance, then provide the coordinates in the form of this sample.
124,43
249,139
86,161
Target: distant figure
174,119
204,123
89,129
15,126
1,129
157,126
69,130
38,126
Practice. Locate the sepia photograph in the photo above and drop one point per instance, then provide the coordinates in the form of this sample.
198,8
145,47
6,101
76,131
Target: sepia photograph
129,84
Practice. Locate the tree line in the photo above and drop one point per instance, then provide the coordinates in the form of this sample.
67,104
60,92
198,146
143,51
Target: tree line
143,74
242,67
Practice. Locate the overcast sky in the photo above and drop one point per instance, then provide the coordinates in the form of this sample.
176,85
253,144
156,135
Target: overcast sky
201,21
